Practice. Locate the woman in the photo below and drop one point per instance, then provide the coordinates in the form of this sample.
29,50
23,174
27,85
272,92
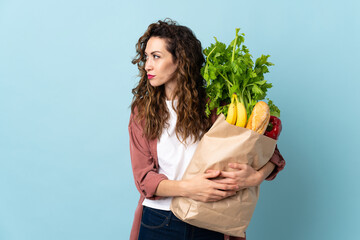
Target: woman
167,121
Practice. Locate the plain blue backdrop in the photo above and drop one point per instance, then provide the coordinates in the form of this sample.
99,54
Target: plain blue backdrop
65,89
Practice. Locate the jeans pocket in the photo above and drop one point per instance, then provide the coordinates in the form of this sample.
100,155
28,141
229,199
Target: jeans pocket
153,218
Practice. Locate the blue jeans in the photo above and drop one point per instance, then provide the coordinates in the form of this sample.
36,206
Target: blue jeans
164,225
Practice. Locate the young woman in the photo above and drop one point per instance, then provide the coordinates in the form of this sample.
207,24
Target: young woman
167,121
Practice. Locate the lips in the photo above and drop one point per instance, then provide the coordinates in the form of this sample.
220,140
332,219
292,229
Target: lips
150,76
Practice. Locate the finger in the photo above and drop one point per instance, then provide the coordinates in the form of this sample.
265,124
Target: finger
224,194
225,181
225,187
212,174
221,195
238,166
226,174
210,170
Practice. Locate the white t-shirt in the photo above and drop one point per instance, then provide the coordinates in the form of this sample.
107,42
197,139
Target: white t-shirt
173,157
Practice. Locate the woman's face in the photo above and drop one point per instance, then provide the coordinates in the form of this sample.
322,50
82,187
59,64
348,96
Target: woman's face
159,65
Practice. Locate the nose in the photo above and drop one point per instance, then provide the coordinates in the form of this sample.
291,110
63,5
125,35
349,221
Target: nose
148,65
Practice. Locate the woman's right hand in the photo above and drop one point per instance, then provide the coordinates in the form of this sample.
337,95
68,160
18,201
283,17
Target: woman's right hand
202,188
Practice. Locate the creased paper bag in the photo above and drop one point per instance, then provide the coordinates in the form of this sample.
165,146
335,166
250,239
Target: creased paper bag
222,144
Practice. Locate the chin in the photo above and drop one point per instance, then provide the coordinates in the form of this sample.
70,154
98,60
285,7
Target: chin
155,83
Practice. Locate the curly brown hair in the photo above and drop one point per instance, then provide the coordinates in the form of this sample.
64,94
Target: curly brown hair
149,101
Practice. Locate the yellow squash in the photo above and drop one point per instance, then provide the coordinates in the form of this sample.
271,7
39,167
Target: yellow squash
232,111
241,116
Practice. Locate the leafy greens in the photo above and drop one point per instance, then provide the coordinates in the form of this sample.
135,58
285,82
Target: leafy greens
230,69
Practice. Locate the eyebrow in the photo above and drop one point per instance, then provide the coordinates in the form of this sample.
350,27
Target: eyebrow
154,52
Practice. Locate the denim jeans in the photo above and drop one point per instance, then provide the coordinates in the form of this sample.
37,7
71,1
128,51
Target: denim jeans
164,225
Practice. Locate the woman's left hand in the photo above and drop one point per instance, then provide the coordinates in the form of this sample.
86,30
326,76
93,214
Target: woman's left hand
243,176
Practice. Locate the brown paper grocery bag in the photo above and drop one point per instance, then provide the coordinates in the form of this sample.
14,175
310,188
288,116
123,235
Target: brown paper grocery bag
222,144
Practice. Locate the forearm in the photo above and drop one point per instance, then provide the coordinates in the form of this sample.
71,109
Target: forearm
199,188
266,170
170,188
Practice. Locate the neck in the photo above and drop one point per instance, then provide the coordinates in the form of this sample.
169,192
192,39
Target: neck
169,90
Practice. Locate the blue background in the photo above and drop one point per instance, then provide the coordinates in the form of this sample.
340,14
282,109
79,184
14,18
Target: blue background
65,89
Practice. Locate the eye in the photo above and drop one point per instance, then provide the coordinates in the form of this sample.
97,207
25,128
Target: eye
156,56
